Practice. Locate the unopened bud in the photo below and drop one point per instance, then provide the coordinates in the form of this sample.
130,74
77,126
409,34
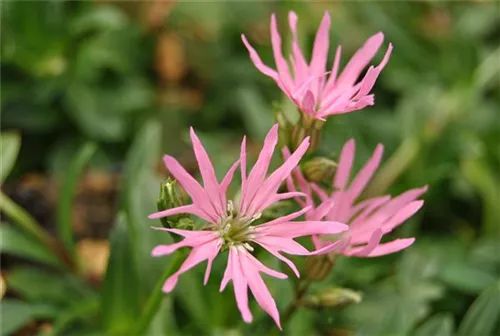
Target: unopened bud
318,267
319,169
171,196
333,298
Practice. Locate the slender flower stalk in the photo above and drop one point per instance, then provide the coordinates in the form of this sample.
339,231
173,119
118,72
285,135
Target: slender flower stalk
233,225
368,220
316,92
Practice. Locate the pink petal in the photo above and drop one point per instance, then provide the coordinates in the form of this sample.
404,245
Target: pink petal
281,64
308,103
301,68
259,288
321,211
189,209
226,181
403,199
272,184
257,175
298,229
360,60
211,256
240,284
366,173
320,53
391,247
372,74
369,247
263,268
254,56
197,255
208,174
402,215
275,252
200,238
286,218
243,162
283,244
367,208
192,187
335,69
345,165
283,196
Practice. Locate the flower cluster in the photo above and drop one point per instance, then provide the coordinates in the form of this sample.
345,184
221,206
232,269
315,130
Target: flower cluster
338,222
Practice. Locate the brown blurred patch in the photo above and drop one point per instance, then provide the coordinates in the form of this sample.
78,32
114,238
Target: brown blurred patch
94,208
93,256
436,24
156,12
170,61
3,287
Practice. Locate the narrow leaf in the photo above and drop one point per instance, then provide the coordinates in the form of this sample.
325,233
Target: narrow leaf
68,191
439,325
9,149
19,244
120,296
483,315
34,284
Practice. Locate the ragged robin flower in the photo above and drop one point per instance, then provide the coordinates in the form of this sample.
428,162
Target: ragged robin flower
232,225
317,92
369,220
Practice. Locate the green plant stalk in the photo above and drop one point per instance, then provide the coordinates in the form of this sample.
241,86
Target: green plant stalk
29,224
156,296
301,290
67,194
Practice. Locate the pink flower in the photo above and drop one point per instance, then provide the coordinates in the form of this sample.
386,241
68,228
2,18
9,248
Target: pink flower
308,85
231,225
368,220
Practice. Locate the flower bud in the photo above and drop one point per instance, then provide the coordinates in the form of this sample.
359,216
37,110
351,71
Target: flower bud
171,196
319,169
318,267
333,298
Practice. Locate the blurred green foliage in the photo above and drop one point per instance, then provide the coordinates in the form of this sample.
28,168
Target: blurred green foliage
116,84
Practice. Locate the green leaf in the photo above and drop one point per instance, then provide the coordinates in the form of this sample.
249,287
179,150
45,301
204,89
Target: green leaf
99,18
163,322
17,243
80,310
483,315
140,196
15,314
68,190
120,295
439,325
465,277
37,285
10,145
258,116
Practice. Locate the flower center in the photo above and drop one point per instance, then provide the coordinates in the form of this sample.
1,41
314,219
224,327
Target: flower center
235,229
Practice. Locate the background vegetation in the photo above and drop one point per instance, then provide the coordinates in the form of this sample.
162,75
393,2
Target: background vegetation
93,93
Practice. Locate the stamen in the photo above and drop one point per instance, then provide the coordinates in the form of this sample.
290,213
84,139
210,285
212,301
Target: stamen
248,247
226,228
230,208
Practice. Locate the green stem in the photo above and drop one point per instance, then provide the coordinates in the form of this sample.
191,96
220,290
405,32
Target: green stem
67,195
292,307
30,225
156,296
